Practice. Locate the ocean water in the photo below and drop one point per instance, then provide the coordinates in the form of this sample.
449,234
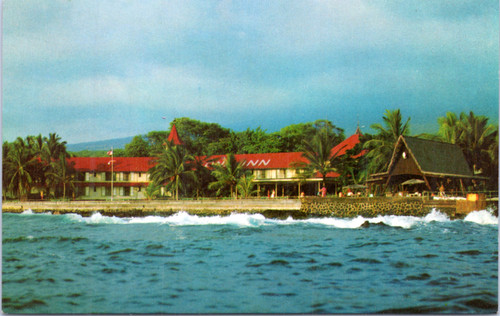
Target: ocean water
249,264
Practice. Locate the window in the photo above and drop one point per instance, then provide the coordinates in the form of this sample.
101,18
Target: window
126,191
140,174
95,174
107,192
95,189
126,176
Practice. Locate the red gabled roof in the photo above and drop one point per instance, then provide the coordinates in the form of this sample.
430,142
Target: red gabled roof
174,137
347,144
120,164
250,161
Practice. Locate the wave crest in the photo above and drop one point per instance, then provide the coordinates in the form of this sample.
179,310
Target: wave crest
482,218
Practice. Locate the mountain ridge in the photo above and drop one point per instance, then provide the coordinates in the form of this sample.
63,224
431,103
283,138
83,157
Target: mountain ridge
107,144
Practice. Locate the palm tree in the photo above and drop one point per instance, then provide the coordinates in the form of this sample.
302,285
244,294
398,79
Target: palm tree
173,168
450,129
381,145
61,174
152,191
246,185
319,156
202,175
227,174
55,147
478,140
19,167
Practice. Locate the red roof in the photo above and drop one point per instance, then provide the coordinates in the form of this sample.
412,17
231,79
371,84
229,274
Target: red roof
251,161
174,137
345,145
120,164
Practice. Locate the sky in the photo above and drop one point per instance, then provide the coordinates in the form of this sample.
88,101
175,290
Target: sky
94,70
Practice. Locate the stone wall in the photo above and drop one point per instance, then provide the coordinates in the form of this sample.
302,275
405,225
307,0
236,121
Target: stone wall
366,207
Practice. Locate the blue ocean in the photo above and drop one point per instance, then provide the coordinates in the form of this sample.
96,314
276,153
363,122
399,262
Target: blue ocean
246,263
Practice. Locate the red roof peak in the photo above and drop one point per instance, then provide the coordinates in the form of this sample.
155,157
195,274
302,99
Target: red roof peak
174,137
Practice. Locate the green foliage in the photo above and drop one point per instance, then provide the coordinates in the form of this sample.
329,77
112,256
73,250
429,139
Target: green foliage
202,138
257,141
152,191
246,186
227,175
27,163
118,152
382,144
318,153
293,137
174,168
61,174
202,177
138,147
157,141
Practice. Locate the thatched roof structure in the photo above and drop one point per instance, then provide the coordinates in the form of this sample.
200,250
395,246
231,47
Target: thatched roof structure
421,158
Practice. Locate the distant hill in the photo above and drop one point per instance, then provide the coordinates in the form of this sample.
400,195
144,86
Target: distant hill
116,143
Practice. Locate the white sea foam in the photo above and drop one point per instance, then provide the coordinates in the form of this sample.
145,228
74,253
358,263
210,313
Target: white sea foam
177,219
255,220
390,220
482,218
96,218
30,212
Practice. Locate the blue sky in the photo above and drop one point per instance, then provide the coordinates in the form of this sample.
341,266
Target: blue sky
94,70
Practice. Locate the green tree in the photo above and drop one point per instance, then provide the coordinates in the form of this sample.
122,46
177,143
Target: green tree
227,175
19,168
173,168
201,138
450,128
293,137
138,147
246,185
382,144
56,147
152,191
478,141
157,141
319,155
202,176
61,174
257,141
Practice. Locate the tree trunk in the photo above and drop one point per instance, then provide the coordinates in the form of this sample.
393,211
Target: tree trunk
176,188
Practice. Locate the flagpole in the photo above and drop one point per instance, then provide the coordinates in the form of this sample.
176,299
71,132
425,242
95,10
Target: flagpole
112,163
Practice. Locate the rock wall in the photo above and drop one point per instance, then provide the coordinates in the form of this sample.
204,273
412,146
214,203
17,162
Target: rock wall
366,207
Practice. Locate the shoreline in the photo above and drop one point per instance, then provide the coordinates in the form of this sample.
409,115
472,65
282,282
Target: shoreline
141,208
270,208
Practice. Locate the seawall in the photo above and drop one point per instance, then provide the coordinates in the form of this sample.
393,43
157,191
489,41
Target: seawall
271,208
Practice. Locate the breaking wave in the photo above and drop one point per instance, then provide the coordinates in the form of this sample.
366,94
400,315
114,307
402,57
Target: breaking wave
255,220
482,218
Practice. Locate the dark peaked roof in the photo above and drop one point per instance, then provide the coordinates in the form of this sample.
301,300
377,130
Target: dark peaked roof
434,157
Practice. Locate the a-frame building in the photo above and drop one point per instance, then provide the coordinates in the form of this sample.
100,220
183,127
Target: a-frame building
433,162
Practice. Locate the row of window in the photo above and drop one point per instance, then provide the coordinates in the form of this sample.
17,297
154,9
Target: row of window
126,176
275,174
117,191
117,176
